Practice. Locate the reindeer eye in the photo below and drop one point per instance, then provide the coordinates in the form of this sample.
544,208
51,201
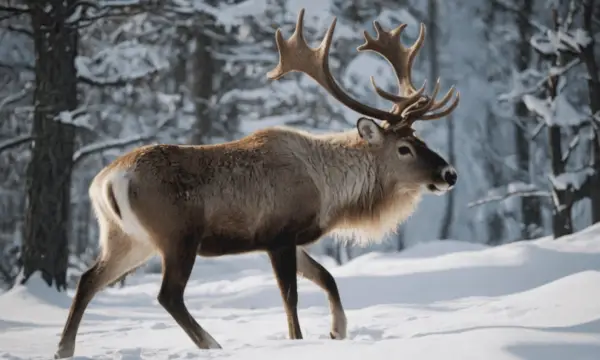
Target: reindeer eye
404,150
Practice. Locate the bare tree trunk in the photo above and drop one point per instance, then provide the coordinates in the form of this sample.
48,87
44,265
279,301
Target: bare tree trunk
400,239
348,249
180,72
589,59
530,205
494,221
561,215
45,244
203,88
434,73
333,250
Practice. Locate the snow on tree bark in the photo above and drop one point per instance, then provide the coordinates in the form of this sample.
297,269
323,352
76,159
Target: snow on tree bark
530,205
562,223
589,59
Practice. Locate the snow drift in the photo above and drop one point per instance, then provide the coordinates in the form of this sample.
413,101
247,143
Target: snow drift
526,300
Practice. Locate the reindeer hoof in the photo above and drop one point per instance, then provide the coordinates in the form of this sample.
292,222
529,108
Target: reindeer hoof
210,343
336,336
63,353
215,346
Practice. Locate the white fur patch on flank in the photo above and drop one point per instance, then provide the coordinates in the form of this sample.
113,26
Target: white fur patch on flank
129,222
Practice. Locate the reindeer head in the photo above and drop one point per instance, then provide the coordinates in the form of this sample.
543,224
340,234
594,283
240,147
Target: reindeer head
400,155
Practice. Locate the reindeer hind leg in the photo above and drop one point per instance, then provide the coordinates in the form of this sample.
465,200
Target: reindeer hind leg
120,255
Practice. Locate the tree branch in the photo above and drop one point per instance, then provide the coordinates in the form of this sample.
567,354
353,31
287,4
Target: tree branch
91,149
116,81
519,191
14,67
88,150
14,142
572,145
570,15
516,11
15,9
20,30
554,71
12,11
107,10
583,191
15,97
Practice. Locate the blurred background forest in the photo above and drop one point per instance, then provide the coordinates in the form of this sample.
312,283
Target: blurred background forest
83,81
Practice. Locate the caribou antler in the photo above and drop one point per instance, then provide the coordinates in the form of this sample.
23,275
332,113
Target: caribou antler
296,55
408,103
411,105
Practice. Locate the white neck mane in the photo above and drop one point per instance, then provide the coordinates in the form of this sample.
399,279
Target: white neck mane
355,205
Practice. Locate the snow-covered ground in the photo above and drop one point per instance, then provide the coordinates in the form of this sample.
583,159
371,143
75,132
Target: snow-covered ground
440,300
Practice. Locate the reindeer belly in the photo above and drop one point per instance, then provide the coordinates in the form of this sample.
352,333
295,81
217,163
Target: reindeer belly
226,244
262,234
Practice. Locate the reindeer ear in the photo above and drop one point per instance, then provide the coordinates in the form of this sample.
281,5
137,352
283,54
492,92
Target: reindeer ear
369,130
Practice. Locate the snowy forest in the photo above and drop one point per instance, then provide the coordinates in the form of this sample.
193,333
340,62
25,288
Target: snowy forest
82,82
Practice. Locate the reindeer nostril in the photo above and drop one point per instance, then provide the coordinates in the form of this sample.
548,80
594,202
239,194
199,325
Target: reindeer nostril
449,175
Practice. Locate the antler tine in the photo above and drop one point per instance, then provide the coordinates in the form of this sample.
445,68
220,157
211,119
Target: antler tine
420,108
440,114
296,55
426,110
438,104
295,42
397,98
414,49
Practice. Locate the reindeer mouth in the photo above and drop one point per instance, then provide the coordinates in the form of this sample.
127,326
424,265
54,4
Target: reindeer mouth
434,189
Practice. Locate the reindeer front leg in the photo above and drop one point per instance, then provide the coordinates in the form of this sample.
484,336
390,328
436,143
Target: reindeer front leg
283,261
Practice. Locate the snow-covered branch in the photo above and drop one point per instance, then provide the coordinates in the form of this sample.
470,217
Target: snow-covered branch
508,6
120,65
596,119
511,190
557,111
78,118
551,42
288,119
94,148
16,96
244,57
20,30
572,145
571,180
518,90
12,11
85,12
14,142
101,82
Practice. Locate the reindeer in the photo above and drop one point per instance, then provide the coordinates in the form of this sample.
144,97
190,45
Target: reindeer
275,190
